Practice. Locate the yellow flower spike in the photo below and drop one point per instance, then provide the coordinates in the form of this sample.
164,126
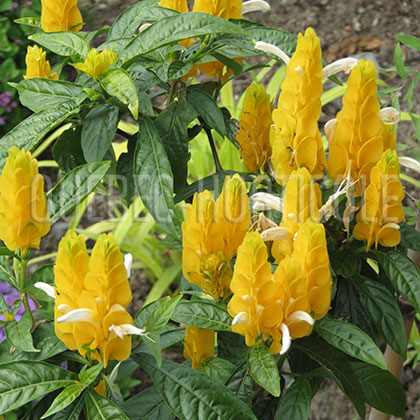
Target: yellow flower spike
97,63
212,232
60,15
178,5
24,217
254,128
377,221
37,65
295,138
198,345
225,9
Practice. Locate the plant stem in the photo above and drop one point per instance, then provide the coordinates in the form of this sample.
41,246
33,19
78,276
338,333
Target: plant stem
22,284
213,150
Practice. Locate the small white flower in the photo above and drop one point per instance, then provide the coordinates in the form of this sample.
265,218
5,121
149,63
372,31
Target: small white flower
286,340
144,26
128,261
82,314
255,6
126,329
267,201
272,49
301,316
240,318
344,64
410,163
389,115
46,288
275,233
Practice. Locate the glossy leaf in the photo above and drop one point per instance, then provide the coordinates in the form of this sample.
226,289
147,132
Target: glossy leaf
218,369
64,43
241,384
29,133
89,375
296,404
381,389
101,408
192,395
154,179
67,150
74,187
351,340
6,272
25,381
161,314
19,333
203,315
98,131
344,264
263,368
403,273
64,399
71,412
410,237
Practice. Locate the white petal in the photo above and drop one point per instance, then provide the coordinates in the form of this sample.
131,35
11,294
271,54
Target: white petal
46,288
255,6
64,308
272,49
144,26
270,201
128,261
275,233
301,316
114,372
391,225
125,329
286,341
344,64
410,163
240,318
389,115
82,314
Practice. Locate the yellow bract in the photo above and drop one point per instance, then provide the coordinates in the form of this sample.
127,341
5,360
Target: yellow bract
60,15
98,289
198,345
24,217
37,65
296,140
377,221
225,9
97,63
178,5
212,232
254,128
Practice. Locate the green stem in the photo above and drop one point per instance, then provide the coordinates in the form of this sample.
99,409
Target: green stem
202,46
57,133
213,150
42,258
22,283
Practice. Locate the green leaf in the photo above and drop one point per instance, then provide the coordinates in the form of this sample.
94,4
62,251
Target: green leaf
64,43
410,237
40,94
6,272
19,333
337,367
207,108
31,131
67,150
409,40
29,21
218,369
383,309
161,314
71,412
399,61
203,315
64,399
154,179
231,346
173,29
113,392
25,381
241,384
118,83
403,273
43,274
101,408
89,375
152,343
296,404
345,264
8,253
351,340
149,405
98,131
263,368
192,395
74,187
381,389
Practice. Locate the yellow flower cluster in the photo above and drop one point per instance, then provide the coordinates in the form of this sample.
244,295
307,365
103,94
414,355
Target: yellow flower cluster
24,217
37,65
178,5
60,15
296,139
91,298
212,233
97,63
254,128
377,221
198,345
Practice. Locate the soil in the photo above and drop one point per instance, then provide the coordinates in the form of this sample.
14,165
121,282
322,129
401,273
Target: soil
350,27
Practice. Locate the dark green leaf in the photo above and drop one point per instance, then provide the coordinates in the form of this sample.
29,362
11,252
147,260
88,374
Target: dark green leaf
71,412
64,399
218,369
101,408
89,375
152,343
410,237
7,253
203,315
74,187
19,333
125,176
99,128
67,150
25,381
161,314
192,395
44,274
154,179
345,264
263,368
6,272
241,384
381,389
399,61
231,346
296,404
113,392
409,40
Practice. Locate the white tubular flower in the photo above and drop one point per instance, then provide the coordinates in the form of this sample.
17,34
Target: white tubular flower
390,115
410,163
266,201
286,341
46,288
240,318
128,261
275,233
344,64
301,316
126,329
272,49
82,314
144,26
255,6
